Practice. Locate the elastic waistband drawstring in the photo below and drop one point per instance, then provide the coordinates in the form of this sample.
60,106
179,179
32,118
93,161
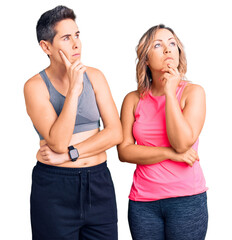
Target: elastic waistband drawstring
89,186
81,198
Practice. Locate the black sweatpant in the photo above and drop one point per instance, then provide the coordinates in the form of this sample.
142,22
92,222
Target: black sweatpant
73,203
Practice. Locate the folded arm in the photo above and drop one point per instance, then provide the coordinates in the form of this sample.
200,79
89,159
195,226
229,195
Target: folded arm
130,152
108,137
56,130
184,127
111,134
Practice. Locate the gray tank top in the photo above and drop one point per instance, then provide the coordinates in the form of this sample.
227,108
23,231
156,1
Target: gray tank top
88,116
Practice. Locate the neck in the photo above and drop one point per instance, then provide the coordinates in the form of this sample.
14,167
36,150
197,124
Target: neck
157,87
58,71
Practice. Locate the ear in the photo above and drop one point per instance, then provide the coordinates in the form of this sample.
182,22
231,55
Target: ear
45,45
147,61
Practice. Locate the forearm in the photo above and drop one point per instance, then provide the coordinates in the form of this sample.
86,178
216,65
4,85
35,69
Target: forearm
62,130
144,155
97,143
179,132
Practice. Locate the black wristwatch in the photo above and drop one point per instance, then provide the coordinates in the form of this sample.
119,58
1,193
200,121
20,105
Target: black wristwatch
73,153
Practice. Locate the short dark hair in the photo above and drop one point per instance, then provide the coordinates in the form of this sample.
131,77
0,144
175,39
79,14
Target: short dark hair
45,28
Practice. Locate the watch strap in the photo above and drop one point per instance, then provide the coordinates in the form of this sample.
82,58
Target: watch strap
70,148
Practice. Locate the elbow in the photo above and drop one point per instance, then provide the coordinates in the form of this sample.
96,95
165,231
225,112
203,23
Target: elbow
117,136
58,147
57,143
120,154
181,148
121,158
184,144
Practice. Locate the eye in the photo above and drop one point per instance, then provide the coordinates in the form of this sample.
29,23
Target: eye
77,36
173,44
157,45
66,38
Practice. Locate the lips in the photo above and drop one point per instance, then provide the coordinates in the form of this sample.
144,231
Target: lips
76,55
169,58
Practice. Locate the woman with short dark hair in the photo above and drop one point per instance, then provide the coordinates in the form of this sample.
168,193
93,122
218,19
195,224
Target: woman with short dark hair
72,194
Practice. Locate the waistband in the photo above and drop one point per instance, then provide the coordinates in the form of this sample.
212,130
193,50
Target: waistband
70,171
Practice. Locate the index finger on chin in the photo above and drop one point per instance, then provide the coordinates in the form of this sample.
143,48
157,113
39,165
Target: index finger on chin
64,59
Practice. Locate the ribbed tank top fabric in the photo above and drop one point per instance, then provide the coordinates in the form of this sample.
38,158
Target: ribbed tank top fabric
168,178
88,116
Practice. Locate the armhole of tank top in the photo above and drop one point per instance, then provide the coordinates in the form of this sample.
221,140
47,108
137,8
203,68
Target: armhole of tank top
137,108
86,84
86,77
180,91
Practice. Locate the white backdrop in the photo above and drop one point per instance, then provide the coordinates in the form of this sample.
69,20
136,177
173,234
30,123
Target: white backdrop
110,31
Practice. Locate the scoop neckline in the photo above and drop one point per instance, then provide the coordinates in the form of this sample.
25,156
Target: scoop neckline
178,87
150,93
57,90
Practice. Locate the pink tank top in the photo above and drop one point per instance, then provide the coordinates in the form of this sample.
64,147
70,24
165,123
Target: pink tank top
168,178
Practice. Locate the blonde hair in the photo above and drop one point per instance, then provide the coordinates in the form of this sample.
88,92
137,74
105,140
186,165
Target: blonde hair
143,72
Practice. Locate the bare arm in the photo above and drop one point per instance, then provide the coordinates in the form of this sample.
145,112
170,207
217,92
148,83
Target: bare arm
110,136
56,130
183,128
130,152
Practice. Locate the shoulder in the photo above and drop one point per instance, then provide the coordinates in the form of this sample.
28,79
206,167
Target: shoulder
131,100
35,86
94,74
33,82
96,77
193,90
132,96
193,93
93,71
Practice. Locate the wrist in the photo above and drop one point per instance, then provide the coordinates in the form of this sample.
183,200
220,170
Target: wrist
74,91
172,154
170,94
73,153
66,157
75,88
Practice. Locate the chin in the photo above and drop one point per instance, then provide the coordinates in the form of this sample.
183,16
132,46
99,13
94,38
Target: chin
73,59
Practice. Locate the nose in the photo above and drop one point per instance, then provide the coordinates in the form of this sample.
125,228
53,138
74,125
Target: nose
75,43
167,50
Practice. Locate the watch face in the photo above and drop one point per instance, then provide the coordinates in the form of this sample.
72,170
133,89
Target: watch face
74,154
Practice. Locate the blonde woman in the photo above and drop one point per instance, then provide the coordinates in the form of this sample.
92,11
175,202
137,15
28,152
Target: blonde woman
164,117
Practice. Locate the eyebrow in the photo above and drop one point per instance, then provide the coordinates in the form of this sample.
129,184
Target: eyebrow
68,35
162,40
